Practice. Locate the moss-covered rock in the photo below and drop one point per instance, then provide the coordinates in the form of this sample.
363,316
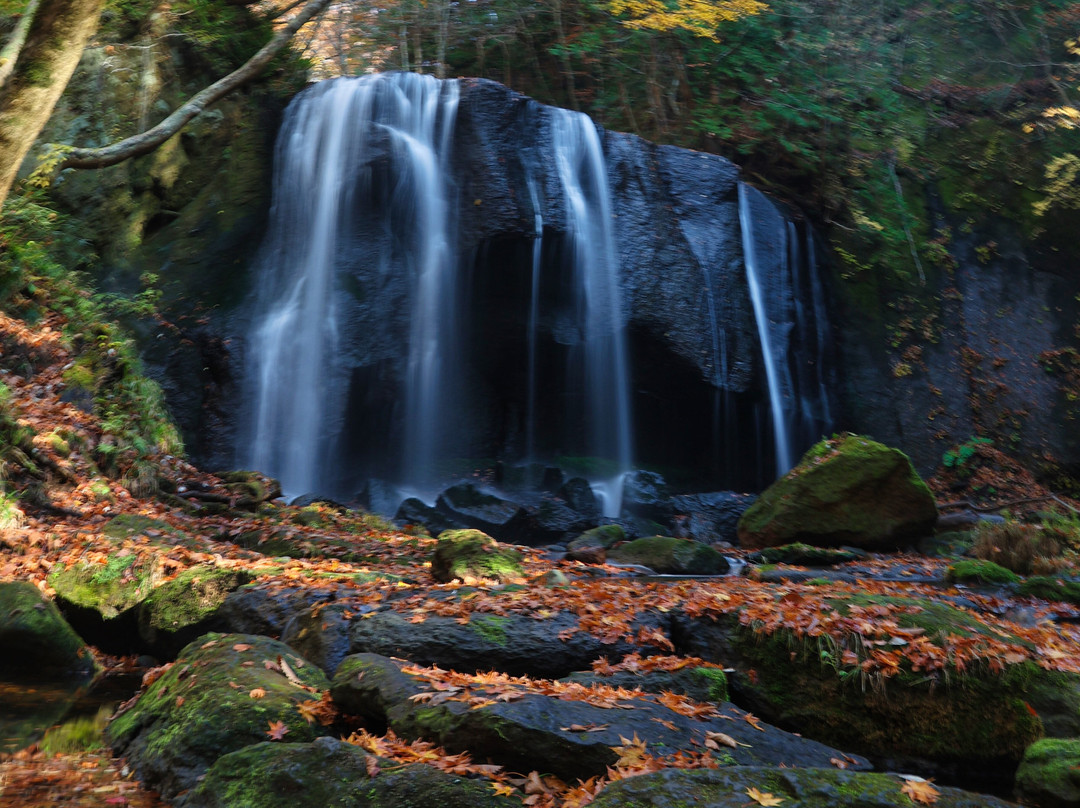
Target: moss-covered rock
35,637
570,737
603,536
670,556
846,490
1049,774
250,488
977,571
796,788
804,555
973,718
1048,588
328,773
180,610
129,525
217,697
110,588
472,555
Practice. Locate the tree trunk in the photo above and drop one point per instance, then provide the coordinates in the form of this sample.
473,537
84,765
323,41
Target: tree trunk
42,68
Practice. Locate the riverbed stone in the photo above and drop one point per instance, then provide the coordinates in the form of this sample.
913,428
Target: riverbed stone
848,490
574,738
328,772
34,636
670,556
219,696
794,787
471,555
501,518
1049,774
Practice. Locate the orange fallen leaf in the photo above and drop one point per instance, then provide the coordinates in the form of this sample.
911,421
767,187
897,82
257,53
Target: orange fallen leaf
372,764
257,693
241,646
277,731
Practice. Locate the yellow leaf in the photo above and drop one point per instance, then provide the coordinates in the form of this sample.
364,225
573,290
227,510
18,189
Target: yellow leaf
920,791
763,798
257,693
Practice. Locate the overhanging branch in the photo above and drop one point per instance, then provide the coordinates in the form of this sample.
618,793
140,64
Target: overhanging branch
146,142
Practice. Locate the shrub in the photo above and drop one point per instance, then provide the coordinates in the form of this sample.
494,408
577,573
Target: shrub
1021,548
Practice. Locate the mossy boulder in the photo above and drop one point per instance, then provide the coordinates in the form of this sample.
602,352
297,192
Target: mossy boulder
250,488
328,773
473,555
972,718
978,571
592,543
219,696
1049,774
796,788
180,610
670,556
574,738
847,490
804,555
110,588
35,637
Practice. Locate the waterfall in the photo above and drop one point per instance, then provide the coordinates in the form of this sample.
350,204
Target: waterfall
579,161
323,176
534,319
774,351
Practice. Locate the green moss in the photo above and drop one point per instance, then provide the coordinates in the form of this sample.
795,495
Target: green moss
110,588
806,556
1049,774
82,734
980,572
189,599
845,490
466,554
1048,588
716,681
491,627
666,554
34,636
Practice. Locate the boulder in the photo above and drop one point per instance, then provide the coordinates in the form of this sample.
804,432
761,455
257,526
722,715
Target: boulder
697,682
34,636
249,489
592,545
470,555
793,787
847,490
328,772
182,609
552,521
645,493
579,496
219,696
413,511
572,737
803,555
711,517
518,644
942,722
670,556
1049,774
501,518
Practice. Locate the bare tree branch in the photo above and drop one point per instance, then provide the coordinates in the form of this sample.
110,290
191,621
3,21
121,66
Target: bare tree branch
146,142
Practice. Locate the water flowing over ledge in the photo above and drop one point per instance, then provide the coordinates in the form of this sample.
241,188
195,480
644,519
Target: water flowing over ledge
455,275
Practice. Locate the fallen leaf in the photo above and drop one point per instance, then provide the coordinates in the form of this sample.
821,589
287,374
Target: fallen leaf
277,730
179,701
372,764
257,693
241,646
920,791
763,798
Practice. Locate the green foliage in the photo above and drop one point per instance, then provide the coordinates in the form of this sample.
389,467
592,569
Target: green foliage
41,255
81,734
956,457
979,572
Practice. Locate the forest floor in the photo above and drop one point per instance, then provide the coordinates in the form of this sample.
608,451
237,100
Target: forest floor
64,524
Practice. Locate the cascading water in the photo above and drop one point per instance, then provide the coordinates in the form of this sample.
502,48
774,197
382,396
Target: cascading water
579,161
324,176
774,351
534,319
